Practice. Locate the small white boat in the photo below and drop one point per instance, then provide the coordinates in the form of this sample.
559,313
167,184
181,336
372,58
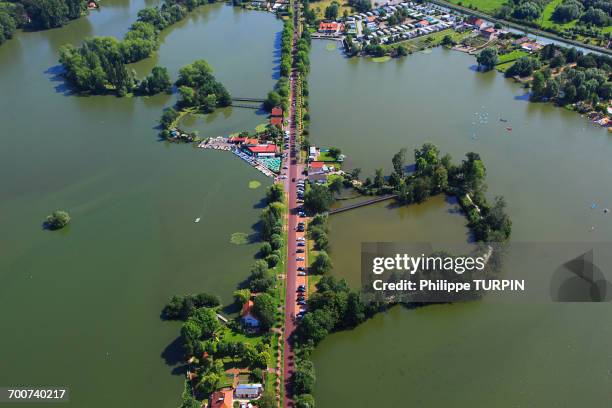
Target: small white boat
197,220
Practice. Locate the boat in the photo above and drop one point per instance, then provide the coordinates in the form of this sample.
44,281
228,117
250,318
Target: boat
197,220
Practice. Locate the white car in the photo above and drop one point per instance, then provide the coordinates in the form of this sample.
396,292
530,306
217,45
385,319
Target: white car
299,258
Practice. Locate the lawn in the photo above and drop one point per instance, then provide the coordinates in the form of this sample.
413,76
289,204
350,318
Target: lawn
511,56
319,7
504,67
488,6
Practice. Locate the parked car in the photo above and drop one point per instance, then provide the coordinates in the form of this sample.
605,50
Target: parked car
301,288
301,244
301,268
301,273
300,250
300,239
299,258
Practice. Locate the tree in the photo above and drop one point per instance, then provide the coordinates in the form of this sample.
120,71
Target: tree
498,220
158,81
487,58
168,118
264,307
322,263
335,152
538,86
567,11
336,184
331,11
272,100
303,378
318,199
274,193
210,382
448,41
207,321
401,50
58,219
379,178
7,26
304,401
399,162
242,296
355,173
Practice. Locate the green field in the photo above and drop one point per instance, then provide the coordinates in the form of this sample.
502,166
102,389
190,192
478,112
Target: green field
511,56
488,6
545,20
504,67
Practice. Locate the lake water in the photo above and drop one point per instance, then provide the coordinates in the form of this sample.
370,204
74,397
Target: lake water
80,307
551,167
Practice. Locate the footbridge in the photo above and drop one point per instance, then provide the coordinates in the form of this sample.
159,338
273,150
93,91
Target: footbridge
363,203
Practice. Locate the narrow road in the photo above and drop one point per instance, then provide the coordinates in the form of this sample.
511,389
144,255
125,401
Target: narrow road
293,174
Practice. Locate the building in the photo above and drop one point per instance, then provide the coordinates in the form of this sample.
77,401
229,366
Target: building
221,399
531,46
276,121
243,140
478,23
248,391
489,33
247,316
262,150
318,167
329,28
277,111
319,178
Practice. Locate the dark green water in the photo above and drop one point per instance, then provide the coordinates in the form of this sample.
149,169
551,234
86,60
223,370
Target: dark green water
551,167
80,307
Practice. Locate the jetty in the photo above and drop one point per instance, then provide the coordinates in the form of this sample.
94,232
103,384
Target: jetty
363,203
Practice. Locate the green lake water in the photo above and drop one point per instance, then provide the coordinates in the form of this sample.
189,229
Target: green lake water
551,167
80,307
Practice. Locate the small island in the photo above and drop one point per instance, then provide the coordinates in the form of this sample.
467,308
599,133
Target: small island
58,219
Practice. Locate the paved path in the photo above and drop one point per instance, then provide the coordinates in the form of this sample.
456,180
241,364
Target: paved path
293,174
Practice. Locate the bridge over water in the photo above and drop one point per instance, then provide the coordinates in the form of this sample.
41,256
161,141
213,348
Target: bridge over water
363,203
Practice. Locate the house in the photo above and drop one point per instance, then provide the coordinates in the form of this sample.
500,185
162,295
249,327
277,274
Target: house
277,111
318,167
328,28
478,23
531,46
520,41
422,23
221,399
248,319
276,121
489,33
319,178
250,391
262,150
312,153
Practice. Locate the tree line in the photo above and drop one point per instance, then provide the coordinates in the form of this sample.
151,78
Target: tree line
37,14
99,65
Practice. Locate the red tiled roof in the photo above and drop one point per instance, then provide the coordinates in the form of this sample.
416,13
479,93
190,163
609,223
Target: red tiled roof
277,111
276,120
246,308
268,148
489,30
221,399
317,164
328,26
424,22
